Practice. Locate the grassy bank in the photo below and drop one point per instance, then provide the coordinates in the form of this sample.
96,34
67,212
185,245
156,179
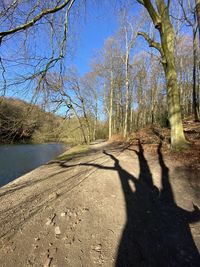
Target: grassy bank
74,151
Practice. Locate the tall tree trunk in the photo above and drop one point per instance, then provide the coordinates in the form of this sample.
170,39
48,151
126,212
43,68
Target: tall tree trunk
121,112
81,124
198,22
161,20
96,118
118,117
87,123
173,100
195,88
129,42
131,120
153,95
198,14
127,93
111,105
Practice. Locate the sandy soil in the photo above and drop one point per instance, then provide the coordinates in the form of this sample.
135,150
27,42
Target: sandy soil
110,207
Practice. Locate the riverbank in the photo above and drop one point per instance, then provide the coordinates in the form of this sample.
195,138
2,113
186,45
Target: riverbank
109,206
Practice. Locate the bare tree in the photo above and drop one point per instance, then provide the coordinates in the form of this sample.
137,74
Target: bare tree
192,22
198,14
161,21
129,35
25,23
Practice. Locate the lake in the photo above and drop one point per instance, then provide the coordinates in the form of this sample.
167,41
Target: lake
16,160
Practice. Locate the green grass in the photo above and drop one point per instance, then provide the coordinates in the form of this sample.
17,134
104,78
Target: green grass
74,151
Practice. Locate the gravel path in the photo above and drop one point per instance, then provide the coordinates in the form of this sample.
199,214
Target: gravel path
113,206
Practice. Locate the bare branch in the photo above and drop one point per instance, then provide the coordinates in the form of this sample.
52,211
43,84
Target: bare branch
66,27
140,2
184,14
152,12
34,20
151,42
3,76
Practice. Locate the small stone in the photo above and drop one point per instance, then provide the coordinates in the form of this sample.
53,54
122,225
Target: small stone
98,248
67,260
48,222
57,230
65,237
47,262
54,195
37,238
63,214
86,209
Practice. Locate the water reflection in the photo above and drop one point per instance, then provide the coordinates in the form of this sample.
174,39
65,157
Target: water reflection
16,160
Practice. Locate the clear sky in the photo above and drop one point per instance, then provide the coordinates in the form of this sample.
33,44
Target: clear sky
98,23
89,30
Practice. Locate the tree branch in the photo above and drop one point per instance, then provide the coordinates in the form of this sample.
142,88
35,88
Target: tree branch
140,2
152,12
34,20
185,15
154,44
151,42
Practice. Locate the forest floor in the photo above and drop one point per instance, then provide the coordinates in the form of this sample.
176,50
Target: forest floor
128,205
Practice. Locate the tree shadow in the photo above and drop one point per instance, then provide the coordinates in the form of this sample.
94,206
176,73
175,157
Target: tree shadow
157,232
45,195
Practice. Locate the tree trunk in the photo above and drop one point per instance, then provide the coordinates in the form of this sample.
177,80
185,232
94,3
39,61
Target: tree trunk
194,93
127,95
129,42
198,14
178,140
81,125
162,23
96,119
198,21
177,135
111,106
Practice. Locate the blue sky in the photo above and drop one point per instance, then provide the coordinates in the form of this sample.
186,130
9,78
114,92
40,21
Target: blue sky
98,23
89,31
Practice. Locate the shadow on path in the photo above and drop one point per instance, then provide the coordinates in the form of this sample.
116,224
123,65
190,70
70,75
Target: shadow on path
156,233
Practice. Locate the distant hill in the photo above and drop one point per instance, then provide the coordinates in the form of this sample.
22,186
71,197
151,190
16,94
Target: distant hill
24,122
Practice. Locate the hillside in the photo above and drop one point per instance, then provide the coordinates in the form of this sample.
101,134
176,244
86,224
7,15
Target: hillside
24,122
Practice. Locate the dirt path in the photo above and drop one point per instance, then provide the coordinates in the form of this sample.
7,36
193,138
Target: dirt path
111,207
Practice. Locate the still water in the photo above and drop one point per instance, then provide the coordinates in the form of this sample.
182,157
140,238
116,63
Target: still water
16,160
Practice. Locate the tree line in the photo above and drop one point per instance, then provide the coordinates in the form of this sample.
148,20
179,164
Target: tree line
22,122
131,86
